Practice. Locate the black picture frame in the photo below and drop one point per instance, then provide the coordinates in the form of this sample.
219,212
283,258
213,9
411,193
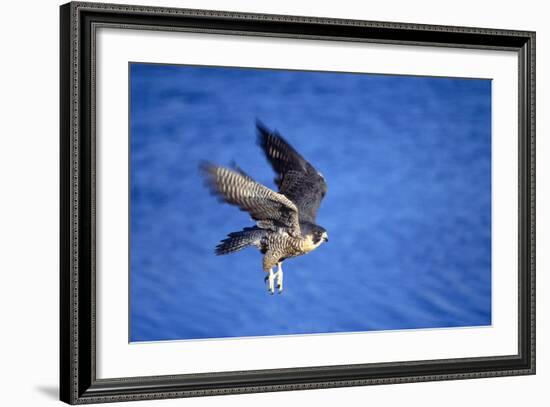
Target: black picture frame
78,382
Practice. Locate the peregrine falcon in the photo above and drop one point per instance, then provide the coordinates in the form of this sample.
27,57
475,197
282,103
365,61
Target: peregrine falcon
285,220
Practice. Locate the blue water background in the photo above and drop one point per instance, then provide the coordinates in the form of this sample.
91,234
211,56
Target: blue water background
408,209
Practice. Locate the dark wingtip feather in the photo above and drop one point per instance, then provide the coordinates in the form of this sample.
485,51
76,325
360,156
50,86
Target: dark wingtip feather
262,128
207,168
267,136
263,133
220,249
208,171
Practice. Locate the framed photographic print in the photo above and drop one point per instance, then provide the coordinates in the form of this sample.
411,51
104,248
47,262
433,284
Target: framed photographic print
256,203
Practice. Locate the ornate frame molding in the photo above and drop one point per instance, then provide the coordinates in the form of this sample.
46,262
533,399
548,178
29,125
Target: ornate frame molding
79,21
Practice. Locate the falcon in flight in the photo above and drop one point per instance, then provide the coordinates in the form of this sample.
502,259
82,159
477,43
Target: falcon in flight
285,220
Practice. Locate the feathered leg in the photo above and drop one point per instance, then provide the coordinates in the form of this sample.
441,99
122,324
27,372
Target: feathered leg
269,261
279,275
271,282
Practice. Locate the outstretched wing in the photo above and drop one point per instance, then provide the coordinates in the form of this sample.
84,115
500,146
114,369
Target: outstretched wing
269,209
296,178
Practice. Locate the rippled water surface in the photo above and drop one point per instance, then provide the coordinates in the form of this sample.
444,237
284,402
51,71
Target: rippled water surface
408,165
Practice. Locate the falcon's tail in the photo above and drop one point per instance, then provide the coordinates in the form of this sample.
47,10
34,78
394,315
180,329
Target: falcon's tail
239,240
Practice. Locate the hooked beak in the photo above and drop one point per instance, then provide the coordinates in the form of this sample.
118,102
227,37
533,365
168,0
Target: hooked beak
325,238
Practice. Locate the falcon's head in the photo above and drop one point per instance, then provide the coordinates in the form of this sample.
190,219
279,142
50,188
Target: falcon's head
320,234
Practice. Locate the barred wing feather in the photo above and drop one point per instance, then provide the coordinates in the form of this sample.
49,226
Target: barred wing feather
268,208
